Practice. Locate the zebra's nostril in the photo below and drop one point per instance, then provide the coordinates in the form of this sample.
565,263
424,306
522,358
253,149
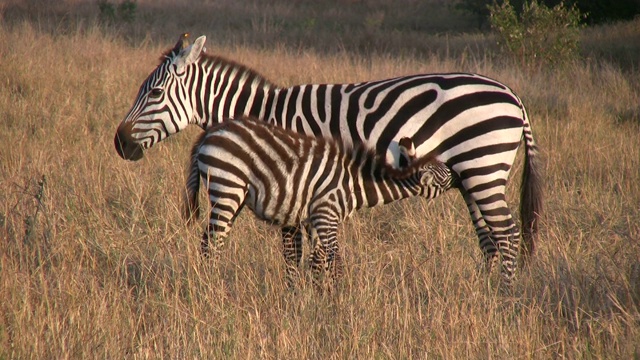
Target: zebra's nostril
126,149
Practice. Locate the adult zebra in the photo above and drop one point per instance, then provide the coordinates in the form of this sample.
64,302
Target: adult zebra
469,122
291,179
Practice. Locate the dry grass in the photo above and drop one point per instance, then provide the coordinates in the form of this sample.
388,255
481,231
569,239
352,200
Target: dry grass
95,261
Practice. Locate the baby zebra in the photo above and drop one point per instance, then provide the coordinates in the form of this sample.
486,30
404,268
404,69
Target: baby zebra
294,181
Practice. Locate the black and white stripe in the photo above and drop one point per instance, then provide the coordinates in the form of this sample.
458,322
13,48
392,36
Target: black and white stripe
291,179
470,122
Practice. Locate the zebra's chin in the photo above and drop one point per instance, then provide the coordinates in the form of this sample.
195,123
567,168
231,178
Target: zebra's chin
127,150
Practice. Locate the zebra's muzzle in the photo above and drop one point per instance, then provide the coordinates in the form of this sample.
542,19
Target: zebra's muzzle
126,147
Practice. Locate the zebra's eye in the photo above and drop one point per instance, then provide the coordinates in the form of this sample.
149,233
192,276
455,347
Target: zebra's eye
156,93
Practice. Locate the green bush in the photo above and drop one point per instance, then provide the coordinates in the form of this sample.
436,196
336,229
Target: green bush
596,11
539,35
107,11
479,9
125,11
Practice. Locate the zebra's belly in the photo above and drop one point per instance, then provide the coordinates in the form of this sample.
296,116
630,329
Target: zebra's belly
275,212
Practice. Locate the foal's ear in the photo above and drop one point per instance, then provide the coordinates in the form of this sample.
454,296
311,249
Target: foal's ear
188,53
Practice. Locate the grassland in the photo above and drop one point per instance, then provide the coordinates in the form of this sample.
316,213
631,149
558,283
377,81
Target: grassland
95,261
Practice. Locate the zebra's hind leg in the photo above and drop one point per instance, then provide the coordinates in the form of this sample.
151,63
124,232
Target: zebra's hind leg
507,237
292,251
504,236
488,247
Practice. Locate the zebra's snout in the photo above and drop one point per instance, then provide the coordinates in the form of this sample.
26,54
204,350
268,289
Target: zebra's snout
126,147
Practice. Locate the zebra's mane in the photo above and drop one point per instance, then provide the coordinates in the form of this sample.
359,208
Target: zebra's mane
220,61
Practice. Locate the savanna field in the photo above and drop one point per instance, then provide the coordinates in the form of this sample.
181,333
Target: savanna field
97,262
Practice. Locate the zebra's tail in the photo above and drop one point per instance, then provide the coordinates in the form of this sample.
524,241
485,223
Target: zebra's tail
191,211
530,192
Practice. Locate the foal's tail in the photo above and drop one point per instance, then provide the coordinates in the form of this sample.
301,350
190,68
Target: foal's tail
191,209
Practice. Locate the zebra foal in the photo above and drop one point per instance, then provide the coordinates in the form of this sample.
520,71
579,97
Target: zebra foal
294,180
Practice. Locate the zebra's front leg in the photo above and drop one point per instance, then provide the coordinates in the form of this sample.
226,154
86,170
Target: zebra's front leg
292,251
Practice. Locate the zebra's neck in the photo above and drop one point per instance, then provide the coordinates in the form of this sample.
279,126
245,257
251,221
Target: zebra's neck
230,90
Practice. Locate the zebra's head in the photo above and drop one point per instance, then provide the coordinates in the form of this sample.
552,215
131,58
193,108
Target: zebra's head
161,107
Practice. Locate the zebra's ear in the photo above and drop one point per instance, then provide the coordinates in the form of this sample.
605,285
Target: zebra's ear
189,54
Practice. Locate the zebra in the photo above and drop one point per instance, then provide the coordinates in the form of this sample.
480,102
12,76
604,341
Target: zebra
293,181
470,122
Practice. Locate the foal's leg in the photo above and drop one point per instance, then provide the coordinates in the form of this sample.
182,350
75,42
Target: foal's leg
226,204
325,258
292,251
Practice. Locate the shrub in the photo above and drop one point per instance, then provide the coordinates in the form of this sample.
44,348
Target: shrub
539,35
479,9
596,11
125,11
107,11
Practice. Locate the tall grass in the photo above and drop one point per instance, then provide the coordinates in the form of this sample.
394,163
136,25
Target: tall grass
95,260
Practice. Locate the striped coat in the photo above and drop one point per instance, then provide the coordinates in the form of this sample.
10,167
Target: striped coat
470,122
290,179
